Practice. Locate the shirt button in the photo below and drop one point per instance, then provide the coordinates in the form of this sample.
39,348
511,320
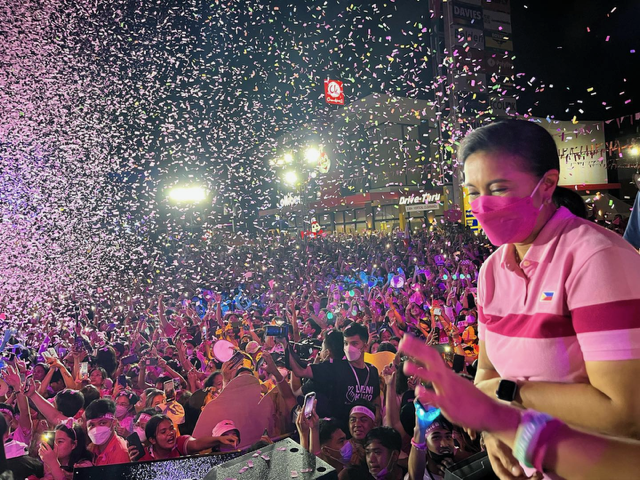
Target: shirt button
526,263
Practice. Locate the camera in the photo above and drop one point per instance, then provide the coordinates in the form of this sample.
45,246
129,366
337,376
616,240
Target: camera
281,331
304,350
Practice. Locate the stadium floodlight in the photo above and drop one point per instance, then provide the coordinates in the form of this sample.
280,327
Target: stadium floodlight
191,194
290,177
312,155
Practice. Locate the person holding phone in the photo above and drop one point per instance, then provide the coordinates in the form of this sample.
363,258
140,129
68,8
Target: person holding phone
307,424
69,452
551,338
125,411
21,426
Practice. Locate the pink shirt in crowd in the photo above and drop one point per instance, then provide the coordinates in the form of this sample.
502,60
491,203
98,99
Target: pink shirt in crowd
574,298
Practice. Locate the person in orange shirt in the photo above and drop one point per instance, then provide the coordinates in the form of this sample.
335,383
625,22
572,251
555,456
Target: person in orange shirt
106,445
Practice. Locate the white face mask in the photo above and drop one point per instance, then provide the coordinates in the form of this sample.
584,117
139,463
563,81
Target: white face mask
121,411
99,435
141,433
353,353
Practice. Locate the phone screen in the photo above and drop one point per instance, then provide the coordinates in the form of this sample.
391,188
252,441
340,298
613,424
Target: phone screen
169,390
307,409
437,311
122,380
84,370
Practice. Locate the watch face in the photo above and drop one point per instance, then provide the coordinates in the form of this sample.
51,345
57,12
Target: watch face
507,390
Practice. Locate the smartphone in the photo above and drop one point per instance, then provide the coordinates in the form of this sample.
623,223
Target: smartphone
373,328
130,359
437,311
260,364
235,360
84,370
49,437
152,362
275,331
122,381
170,390
134,440
78,343
307,407
436,333
27,384
204,332
458,363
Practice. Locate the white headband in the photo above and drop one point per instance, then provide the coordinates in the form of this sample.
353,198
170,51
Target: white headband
363,410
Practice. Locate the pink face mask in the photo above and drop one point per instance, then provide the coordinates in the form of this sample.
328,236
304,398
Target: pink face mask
506,219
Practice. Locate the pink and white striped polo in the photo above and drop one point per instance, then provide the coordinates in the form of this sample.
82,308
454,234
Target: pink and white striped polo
574,298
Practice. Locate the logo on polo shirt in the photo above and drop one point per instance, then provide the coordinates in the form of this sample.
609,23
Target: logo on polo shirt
547,296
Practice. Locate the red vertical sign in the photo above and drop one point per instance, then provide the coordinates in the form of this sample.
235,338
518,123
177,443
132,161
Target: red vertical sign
334,92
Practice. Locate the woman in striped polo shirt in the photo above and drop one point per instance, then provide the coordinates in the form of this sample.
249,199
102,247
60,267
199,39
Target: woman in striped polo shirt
559,301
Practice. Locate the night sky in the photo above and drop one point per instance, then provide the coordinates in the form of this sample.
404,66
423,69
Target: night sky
553,45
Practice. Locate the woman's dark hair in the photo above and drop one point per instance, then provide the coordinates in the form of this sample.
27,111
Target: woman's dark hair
90,393
211,378
402,380
106,358
69,402
102,371
528,141
572,201
152,425
335,344
387,347
132,397
80,452
44,366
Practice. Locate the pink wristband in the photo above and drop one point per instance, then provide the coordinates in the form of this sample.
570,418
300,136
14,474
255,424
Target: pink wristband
419,446
550,430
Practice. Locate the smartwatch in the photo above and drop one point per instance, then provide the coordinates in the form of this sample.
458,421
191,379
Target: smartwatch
507,390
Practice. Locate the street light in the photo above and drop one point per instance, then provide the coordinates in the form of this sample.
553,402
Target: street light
312,155
192,194
290,177
635,151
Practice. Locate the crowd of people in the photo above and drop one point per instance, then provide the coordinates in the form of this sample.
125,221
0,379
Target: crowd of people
93,379
117,383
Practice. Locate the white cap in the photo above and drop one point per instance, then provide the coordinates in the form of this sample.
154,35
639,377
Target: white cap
252,347
223,427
